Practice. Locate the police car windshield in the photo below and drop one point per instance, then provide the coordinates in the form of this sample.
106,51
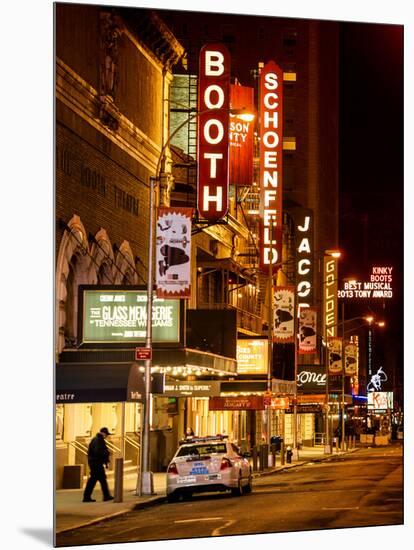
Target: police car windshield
202,449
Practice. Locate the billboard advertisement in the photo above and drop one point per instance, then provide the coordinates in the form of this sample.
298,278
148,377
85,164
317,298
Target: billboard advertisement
120,316
173,252
241,134
252,356
270,163
380,400
213,132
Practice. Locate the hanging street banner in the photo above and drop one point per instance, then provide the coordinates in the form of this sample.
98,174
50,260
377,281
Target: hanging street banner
330,292
351,358
307,330
270,163
241,136
335,355
284,314
173,252
213,132
120,316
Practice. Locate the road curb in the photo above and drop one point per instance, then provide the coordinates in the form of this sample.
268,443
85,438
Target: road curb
302,463
133,506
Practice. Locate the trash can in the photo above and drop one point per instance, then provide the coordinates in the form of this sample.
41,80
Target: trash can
276,440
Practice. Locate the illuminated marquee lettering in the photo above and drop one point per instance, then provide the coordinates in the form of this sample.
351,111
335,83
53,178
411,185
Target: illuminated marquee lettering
303,219
271,132
213,131
378,286
330,285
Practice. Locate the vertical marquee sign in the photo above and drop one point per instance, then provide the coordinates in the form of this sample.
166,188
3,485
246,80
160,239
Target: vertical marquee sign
271,150
213,131
330,293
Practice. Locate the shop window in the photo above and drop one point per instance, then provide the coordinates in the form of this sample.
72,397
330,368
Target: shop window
60,416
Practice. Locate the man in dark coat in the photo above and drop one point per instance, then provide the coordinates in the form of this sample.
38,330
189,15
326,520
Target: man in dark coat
98,457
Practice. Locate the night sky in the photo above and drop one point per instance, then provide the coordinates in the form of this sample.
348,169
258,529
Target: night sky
371,173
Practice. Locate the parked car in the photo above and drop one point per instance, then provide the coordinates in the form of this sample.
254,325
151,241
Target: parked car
208,464
400,432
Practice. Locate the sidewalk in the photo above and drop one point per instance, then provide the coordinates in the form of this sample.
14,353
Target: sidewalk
72,513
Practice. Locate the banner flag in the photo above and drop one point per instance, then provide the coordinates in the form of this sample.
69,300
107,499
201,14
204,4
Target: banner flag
284,314
334,355
173,252
351,358
307,330
241,136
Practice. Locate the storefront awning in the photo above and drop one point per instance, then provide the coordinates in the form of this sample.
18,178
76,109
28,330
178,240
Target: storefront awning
195,359
94,376
101,383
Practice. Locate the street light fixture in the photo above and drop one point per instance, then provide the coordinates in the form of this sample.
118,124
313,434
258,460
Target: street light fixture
145,485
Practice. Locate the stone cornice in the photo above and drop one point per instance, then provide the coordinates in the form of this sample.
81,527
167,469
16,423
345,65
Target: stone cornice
83,100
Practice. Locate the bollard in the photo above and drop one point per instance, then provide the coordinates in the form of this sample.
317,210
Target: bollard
353,441
273,451
282,453
265,451
261,464
119,480
254,456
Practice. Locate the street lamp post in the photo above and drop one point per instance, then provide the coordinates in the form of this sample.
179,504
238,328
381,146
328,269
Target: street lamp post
145,484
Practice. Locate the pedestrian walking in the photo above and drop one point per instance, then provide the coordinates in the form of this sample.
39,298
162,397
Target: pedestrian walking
98,457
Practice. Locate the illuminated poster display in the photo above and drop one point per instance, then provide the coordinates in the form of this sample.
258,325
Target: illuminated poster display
213,131
378,286
241,134
380,400
252,356
270,160
335,355
330,292
307,330
284,314
111,316
173,252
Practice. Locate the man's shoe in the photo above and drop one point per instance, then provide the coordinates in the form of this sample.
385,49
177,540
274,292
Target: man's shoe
109,498
88,500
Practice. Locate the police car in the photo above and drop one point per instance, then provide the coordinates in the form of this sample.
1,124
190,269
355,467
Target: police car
208,464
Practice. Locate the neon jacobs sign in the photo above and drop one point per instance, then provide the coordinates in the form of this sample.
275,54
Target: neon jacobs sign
304,253
271,150
213,131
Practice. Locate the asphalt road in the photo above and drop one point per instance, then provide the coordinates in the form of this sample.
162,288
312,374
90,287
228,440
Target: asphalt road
361,489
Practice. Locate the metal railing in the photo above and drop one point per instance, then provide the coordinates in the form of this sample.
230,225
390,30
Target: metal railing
318,439
79,447
132,442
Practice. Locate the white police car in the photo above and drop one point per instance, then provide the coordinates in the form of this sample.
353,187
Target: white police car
207,464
